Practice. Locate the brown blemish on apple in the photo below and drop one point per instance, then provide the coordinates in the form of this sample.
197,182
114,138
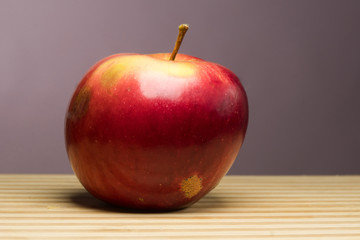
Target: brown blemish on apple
191,186
80,105
141,199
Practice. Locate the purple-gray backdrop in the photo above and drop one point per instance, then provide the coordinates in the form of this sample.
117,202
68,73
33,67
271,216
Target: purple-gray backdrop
298,60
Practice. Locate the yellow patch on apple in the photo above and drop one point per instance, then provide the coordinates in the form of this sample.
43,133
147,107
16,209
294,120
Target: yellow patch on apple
112,71
176,69
191,186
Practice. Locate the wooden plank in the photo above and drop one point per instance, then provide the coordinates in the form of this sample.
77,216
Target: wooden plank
241,207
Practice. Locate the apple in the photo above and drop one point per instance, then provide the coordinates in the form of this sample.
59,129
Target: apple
156,131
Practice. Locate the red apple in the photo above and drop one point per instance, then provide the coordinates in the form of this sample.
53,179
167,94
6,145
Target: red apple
146,132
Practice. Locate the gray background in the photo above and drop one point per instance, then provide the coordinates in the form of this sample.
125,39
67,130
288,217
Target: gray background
298,60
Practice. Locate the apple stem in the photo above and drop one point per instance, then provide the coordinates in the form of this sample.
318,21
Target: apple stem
182,30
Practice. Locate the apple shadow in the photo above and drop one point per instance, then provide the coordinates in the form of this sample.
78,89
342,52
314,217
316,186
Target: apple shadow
84,199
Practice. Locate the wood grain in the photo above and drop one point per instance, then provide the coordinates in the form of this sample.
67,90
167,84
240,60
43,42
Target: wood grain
241,207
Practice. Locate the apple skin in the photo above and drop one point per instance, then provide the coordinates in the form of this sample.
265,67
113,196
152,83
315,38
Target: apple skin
144,132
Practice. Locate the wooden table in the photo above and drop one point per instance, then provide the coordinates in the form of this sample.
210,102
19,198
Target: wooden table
241,207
